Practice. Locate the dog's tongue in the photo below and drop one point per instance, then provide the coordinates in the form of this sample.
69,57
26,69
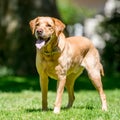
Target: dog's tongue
40,43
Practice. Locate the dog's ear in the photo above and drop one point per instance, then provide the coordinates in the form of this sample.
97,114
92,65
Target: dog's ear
59,26
32,25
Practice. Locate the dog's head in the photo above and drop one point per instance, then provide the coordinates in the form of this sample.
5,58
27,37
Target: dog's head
45,28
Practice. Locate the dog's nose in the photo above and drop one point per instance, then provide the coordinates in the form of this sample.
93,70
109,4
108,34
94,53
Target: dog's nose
40,31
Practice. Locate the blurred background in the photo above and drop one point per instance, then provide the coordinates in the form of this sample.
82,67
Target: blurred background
98,20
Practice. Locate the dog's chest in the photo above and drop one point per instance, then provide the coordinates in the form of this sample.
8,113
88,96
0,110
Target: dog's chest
49,64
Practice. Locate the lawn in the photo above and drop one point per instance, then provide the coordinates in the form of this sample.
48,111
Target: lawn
20,99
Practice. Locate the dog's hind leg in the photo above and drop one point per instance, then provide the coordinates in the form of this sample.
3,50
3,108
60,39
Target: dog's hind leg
70,86
95,70
95,77
96,80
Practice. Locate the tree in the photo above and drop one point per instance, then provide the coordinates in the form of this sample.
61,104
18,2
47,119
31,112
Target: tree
17,50
111,33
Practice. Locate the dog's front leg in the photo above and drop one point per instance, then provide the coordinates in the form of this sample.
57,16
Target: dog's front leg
44,90
60,89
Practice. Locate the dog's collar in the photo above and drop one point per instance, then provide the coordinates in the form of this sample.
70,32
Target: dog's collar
55,51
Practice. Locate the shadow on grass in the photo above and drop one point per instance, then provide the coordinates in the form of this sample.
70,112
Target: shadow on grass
18,84
37,110
87,107
33,110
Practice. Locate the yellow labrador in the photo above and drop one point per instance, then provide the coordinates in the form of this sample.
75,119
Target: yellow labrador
64,59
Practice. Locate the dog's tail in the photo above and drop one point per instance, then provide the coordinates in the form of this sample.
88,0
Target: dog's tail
101,70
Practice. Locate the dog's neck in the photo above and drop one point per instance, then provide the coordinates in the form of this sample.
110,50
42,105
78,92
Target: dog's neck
52,47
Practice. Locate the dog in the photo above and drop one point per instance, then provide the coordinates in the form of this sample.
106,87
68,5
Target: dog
64,59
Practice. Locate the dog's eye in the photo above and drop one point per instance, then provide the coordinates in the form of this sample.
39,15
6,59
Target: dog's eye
37,24
48,25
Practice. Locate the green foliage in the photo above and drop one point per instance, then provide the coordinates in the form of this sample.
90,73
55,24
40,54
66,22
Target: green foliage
17,46
71,13
111,53
5,71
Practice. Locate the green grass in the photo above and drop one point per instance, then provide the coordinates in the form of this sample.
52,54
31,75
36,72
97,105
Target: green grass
20,99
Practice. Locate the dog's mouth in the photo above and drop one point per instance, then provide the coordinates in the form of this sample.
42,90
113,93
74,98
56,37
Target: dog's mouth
41,42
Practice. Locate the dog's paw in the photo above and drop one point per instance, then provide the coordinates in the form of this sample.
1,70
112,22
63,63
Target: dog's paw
56,110
104,108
